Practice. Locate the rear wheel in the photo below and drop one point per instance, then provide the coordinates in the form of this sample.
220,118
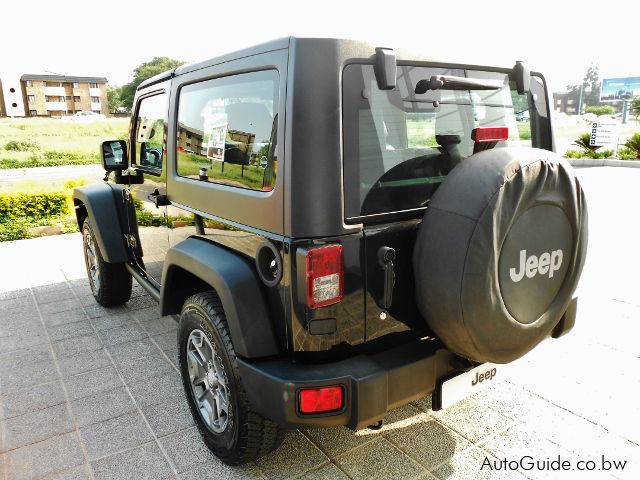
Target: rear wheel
110,282
229,425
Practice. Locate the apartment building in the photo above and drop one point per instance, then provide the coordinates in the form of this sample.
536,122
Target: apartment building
60,95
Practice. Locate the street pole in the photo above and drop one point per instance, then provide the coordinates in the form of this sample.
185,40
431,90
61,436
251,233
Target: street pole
624,112
580,100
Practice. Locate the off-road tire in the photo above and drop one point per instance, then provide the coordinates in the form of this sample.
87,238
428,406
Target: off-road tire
115,281
248,435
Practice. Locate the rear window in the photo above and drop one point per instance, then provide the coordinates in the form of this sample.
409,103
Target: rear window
399,145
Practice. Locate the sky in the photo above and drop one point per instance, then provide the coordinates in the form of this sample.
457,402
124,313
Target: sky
110,38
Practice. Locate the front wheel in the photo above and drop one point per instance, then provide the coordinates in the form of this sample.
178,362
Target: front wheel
110,282
229,425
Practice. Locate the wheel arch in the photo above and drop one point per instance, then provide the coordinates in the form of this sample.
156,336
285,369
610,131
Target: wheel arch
196,265
98,203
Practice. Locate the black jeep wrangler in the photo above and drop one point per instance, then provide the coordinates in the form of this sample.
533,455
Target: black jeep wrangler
339,229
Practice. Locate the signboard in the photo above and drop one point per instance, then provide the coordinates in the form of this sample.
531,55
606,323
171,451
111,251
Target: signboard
214,137
619,89
604,133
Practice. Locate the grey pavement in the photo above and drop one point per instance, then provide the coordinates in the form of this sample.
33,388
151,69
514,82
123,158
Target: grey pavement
88,392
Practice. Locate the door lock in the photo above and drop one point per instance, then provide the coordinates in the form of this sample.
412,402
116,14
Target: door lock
386,256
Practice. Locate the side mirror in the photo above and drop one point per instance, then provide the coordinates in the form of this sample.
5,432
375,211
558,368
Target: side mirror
114,155
522,77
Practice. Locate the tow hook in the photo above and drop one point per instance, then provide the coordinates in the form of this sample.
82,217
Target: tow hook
376,426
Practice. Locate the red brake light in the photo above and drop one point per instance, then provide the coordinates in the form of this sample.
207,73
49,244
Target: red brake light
320,400
325,276
489,134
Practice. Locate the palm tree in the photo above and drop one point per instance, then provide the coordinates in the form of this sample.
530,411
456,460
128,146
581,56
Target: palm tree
635,108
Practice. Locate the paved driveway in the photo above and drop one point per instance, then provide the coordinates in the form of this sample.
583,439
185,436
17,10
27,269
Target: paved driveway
88,392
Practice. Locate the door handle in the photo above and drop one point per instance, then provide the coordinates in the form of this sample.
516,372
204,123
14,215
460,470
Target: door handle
386,256
158,199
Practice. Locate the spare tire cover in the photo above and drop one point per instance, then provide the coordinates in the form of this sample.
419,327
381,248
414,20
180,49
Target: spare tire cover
499,252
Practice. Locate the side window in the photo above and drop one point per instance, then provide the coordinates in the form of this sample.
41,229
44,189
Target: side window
150,134
227,129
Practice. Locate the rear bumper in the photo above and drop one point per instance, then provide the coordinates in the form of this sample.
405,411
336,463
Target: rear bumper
373,384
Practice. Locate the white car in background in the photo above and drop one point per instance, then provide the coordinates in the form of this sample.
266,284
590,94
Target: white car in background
87,117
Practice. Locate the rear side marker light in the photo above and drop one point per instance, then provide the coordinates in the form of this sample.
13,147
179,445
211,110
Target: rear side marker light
489,134
321,400
325,276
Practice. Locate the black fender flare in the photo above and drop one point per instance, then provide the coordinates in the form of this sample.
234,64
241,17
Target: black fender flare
235,281
99,199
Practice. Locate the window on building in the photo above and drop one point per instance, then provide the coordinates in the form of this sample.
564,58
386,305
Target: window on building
61,99
93,85
52,84
235,121
29,83
31,98
96,111
76,98
33,113
95,99
570,101
76,84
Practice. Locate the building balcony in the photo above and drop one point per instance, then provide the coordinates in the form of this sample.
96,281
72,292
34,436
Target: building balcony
54,106
94,92
54,91
95,106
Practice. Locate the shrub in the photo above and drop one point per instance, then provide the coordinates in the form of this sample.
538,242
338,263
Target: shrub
21,146
574,154
15,230
604,154
583,142
625,153
634,143
600,110
75,182
32,206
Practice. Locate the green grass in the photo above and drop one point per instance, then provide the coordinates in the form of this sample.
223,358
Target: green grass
251,177
41,142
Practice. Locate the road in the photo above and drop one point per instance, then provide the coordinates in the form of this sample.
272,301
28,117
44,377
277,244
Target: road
18,175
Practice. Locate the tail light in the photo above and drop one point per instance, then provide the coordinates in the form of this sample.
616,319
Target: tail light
325,276
321,400
489,134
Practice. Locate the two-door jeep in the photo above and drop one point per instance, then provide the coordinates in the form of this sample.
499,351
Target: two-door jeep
339,229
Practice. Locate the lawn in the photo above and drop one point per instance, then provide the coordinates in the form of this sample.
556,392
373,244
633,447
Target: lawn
251,176
38,142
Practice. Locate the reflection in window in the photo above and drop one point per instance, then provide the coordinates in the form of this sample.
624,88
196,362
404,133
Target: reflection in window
227,130
150,131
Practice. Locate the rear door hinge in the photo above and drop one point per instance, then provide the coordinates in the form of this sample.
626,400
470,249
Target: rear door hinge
132,241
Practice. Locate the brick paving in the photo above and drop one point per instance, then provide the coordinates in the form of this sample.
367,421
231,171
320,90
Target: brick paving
88,392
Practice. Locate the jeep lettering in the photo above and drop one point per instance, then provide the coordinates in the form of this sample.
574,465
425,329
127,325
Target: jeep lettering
547,262
480,377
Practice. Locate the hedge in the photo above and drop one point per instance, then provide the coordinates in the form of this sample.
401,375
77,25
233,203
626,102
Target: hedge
32,206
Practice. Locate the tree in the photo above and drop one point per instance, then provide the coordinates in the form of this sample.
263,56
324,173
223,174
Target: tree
141,73
113,98
590,89
635,108
591,85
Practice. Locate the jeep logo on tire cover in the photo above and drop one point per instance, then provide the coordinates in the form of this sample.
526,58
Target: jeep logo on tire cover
546,263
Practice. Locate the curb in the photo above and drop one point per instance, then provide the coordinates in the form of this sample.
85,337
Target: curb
603,162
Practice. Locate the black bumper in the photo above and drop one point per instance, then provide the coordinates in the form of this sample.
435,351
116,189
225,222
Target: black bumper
373,384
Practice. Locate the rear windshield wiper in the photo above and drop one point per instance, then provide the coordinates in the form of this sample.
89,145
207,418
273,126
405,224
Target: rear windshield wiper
450,82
